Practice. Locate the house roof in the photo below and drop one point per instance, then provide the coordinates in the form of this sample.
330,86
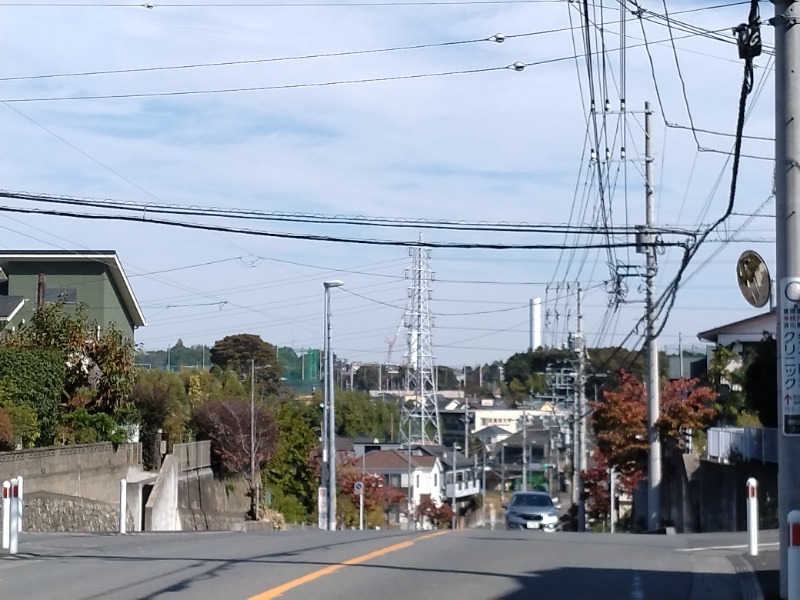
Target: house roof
491,431
396,459
106,257
533,435
9,306
750,322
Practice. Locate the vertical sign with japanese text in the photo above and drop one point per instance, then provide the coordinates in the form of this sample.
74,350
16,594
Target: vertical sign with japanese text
789,340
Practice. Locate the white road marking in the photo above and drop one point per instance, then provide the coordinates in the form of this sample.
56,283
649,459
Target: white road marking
737,547
637,588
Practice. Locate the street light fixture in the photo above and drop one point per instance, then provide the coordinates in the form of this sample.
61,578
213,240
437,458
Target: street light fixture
329,404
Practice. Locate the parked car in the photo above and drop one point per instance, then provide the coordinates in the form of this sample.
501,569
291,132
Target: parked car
531,510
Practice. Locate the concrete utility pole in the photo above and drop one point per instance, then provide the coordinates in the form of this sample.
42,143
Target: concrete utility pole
331,405
253,481
466,419
654,458
524,451
580,398
787,252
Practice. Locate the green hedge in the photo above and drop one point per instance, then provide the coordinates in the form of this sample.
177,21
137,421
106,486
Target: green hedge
36,379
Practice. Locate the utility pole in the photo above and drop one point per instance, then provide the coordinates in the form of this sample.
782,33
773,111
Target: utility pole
580,398
787,252
453,495
409,499
466,419
524,451
253,483
654,458
530,326
680,353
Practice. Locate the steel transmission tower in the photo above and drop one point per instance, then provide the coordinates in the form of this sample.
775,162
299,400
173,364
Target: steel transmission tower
419,420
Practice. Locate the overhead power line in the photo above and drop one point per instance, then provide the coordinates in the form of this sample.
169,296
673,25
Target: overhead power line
497,38
318,238
275,216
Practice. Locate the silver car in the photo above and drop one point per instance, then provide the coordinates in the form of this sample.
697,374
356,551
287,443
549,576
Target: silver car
531,510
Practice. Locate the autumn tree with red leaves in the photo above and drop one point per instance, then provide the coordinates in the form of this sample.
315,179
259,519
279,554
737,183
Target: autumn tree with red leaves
596,489
619,422
379,498
440,517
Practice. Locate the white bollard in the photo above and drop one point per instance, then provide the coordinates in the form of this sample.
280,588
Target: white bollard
13,523
6,512
123,505
21,504
793,559
752,515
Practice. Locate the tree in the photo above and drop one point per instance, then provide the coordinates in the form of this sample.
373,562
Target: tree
99,368
596,487
727,376
227,423
6,432
358,415
155,396
290,473
33,388
379,499
235,353
440,517
761,382
619,421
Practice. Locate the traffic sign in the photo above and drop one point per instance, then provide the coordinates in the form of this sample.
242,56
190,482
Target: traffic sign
358,487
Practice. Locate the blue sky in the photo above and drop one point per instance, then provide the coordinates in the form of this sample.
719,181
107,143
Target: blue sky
487,145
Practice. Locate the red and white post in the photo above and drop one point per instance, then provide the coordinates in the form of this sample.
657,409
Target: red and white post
20,503
6,513
752,516
13,524
793,556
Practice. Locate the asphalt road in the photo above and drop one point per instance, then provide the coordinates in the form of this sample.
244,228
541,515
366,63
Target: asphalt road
396,565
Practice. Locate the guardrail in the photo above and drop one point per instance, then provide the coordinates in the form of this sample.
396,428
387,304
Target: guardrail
192,456
746,443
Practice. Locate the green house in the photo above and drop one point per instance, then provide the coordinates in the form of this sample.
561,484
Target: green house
94,278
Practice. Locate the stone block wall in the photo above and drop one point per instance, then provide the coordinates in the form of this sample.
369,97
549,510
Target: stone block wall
55,512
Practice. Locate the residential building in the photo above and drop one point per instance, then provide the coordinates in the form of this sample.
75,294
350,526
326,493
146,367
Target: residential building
93,278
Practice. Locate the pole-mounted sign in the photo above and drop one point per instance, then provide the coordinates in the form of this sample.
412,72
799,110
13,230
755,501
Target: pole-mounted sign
790,355
358,487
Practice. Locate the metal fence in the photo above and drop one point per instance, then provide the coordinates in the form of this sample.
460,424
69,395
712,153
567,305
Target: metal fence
745,443
192,456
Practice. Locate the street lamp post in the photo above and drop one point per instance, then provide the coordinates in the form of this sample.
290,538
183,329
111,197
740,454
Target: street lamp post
329,403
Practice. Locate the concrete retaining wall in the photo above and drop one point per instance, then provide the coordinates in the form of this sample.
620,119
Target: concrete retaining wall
91,471
207,503
161,510
722,495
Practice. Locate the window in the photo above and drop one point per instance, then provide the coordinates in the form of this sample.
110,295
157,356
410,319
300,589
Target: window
417,484
435,480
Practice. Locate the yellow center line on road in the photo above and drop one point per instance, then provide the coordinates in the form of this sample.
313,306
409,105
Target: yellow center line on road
277,591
